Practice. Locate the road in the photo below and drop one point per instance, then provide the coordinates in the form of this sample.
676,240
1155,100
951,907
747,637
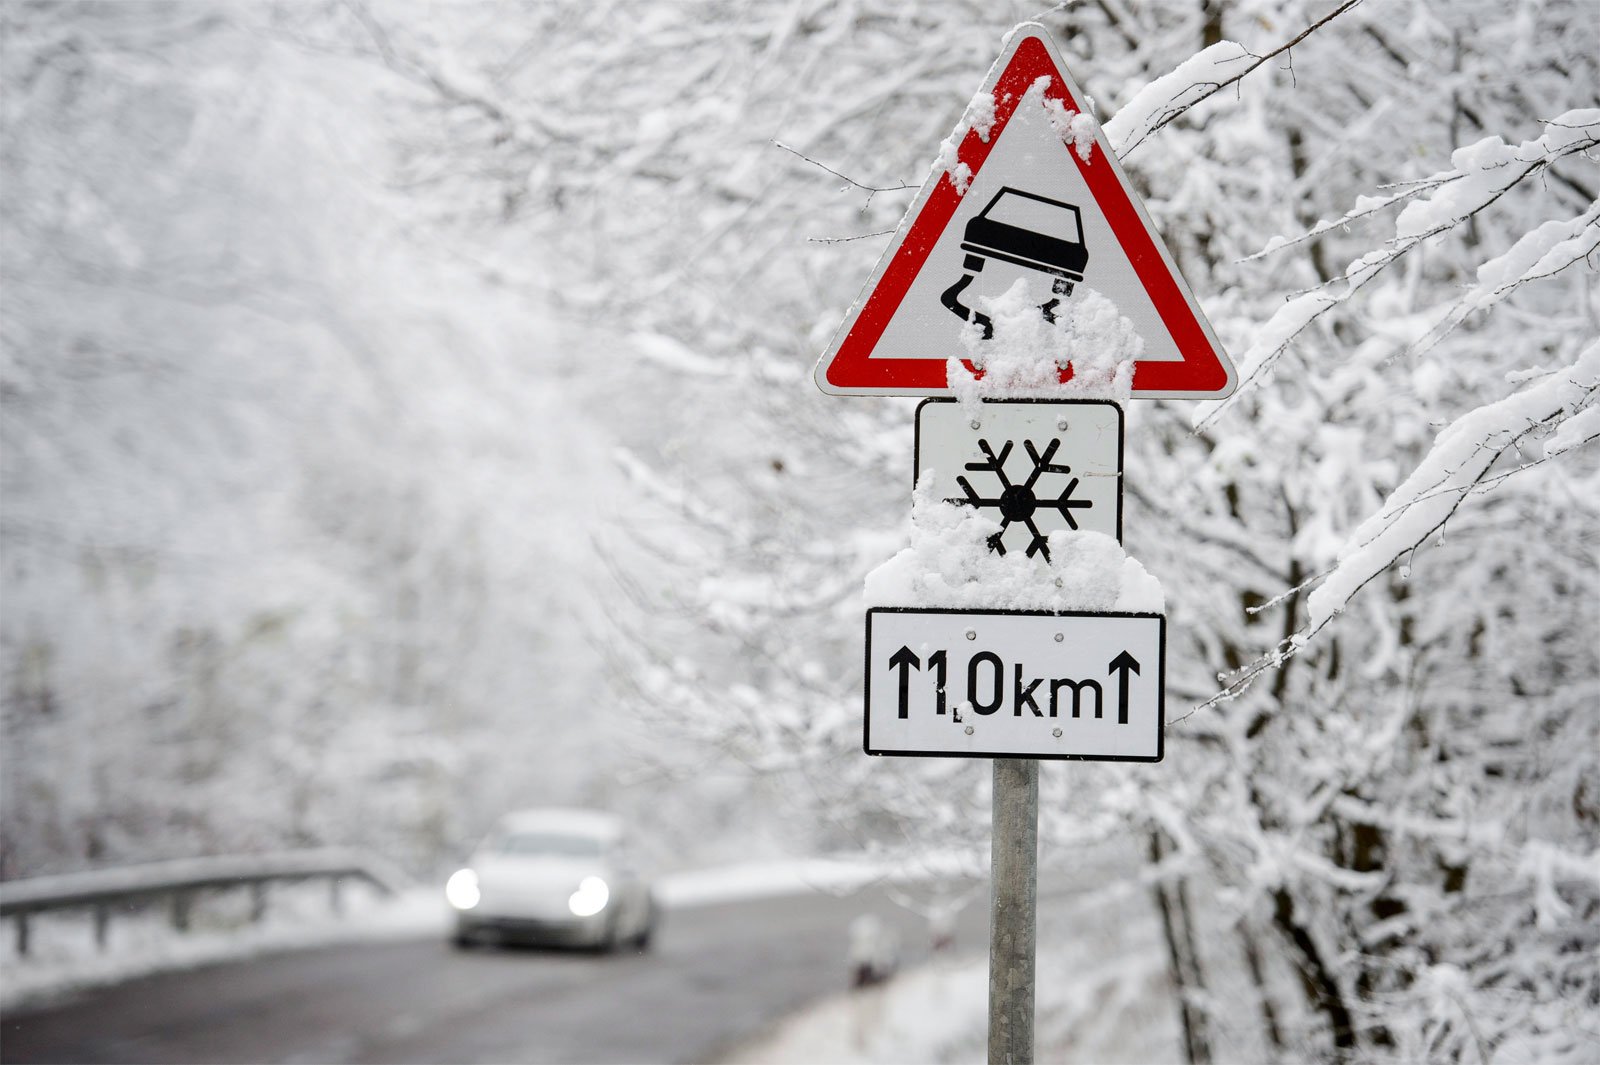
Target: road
716,975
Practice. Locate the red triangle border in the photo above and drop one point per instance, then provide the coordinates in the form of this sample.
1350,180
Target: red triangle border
1204,371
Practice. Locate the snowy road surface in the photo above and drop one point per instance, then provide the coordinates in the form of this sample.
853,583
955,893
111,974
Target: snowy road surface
718,973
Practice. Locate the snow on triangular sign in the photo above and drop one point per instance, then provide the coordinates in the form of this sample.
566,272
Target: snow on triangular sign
1020,190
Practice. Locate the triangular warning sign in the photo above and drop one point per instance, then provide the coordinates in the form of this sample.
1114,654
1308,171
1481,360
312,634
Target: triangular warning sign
1026,193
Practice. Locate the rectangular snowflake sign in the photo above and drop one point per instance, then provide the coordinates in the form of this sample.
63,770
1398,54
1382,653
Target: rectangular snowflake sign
1034,466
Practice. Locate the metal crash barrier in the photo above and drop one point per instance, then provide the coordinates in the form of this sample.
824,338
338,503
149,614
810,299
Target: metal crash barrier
178,882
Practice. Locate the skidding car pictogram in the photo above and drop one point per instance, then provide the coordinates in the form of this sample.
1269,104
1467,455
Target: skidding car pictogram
1027,230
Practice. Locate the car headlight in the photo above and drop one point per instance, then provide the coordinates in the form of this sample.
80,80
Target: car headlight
590,898
461,890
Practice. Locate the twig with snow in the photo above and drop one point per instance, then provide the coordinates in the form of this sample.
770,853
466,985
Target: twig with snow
1457,467
1484,172
1168,97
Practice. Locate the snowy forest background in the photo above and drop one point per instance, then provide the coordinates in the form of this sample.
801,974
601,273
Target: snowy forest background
407,416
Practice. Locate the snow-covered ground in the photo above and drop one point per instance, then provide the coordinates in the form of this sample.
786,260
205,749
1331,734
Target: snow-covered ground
935,1013
1102,994
1103,997
747,880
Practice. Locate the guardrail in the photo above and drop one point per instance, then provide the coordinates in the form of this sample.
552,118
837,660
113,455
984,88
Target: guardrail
178,882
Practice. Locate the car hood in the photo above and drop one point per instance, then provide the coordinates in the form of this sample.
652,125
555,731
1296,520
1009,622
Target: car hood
522,886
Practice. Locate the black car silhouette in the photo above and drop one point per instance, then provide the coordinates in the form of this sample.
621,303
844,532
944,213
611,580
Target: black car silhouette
1027,230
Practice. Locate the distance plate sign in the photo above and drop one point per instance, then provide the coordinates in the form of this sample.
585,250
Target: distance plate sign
1015,684
1034,466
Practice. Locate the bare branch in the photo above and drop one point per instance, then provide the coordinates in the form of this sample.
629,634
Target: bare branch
846,240
870,190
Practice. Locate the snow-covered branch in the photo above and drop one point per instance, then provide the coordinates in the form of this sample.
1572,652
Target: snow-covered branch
1541,253
1459,461
1200,76
1484,172
1366,207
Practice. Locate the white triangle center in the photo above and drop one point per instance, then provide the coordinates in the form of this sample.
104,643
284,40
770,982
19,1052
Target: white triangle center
1030,158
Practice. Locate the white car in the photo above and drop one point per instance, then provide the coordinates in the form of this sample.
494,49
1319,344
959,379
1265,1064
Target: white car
563,877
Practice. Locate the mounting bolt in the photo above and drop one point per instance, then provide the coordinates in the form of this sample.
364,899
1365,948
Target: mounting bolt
1061,424
1056,733
972,634
976,424
969,730
1059,637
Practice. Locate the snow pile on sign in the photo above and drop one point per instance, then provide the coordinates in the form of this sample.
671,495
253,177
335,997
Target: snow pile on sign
978,118
950,564
1076,129
1026,352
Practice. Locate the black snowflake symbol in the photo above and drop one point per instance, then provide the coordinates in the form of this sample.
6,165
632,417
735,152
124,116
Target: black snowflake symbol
1017,502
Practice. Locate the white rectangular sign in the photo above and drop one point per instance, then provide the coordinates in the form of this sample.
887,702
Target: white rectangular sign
1034,466
1015,684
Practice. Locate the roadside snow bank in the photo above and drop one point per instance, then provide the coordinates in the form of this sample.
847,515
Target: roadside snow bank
921,1015
1103,996
706,887
949,564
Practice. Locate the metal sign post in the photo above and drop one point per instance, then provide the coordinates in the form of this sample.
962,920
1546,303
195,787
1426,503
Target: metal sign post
1016,686
1013,910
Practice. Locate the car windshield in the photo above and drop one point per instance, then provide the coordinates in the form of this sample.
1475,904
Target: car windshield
1044,217
550,844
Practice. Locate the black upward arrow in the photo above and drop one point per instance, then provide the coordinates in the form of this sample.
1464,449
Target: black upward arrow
905,662
1121,665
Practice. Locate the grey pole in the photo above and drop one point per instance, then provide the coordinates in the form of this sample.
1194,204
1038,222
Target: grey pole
1013,910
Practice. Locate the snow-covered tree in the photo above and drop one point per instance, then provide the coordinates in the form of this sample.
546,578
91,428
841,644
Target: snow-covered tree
285,514
1383,545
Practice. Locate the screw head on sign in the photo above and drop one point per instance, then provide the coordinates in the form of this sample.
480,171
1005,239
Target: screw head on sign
976,424
1061,424
1059,637
972,634
969,730
1056,733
